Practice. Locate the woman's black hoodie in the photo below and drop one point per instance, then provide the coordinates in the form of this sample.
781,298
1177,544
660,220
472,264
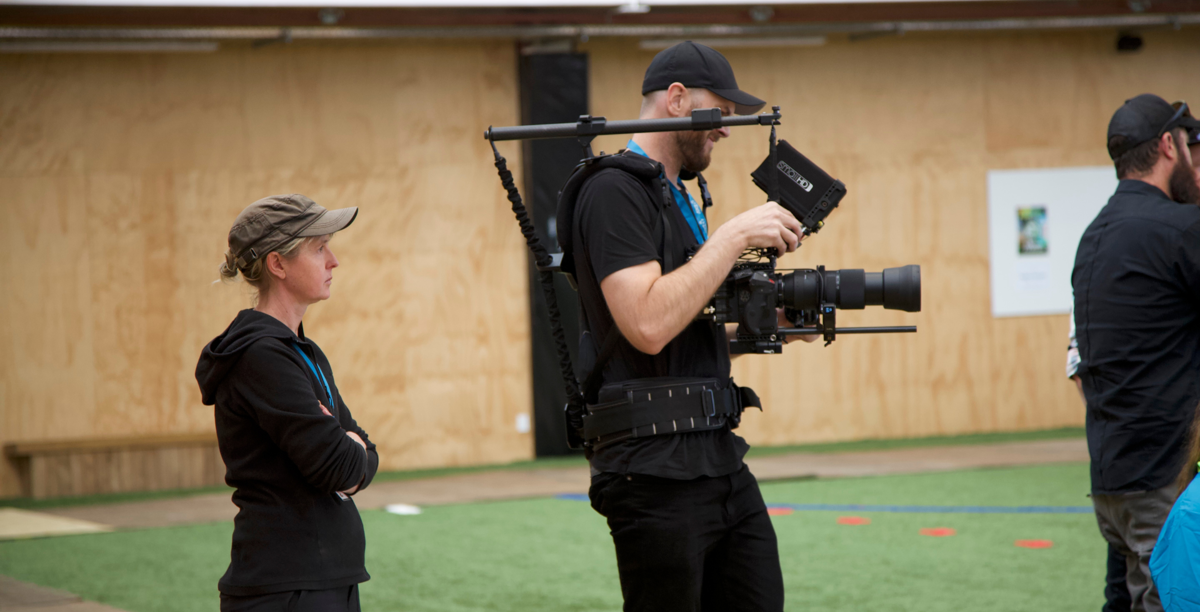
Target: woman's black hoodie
287,460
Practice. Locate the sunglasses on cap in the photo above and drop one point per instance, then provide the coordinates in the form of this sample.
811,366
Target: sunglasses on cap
1181,111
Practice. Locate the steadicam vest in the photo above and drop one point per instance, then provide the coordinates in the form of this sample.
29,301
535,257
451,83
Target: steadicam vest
645,406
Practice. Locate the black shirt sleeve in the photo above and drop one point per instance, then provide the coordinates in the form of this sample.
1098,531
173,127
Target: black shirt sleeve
617,223
280,395
348,424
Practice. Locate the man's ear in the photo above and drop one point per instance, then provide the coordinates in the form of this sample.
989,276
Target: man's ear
274,265
1166,146
678,100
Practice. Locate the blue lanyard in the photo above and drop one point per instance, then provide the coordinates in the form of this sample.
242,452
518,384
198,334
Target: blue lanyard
692,213
317,372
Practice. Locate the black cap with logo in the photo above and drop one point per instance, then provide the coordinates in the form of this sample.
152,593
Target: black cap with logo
1145,118
695,65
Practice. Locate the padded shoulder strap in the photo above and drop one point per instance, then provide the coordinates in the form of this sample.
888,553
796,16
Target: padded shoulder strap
648,172
640,167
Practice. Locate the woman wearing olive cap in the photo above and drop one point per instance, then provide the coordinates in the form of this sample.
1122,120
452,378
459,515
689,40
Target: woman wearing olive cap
291,448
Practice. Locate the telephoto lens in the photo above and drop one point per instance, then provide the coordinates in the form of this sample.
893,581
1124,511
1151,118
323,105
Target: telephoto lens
894,289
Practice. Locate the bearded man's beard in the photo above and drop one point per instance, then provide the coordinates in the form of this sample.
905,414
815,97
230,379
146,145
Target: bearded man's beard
1183,183
691,150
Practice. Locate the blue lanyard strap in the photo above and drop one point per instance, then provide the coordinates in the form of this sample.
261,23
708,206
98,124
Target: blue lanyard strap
317,372
692,213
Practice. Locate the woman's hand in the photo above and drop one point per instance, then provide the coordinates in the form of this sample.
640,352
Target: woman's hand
356,438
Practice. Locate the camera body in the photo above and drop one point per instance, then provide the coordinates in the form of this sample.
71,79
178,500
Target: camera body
749,297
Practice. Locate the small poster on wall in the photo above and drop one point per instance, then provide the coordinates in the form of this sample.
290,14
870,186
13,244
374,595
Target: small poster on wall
1035,220
1031,229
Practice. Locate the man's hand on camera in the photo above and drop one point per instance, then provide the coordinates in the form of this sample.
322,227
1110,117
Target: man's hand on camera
766,226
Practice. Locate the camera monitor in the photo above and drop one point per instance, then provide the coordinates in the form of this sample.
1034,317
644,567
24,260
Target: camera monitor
806,190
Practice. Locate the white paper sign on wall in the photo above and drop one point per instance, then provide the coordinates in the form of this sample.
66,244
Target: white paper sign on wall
1035,220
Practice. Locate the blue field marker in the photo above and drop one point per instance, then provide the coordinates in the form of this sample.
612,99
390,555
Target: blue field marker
936,509
905,509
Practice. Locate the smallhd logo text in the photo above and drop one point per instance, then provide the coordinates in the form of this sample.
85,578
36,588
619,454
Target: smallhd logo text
795,176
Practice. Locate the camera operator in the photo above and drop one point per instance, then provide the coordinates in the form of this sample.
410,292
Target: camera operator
687,519
1137,312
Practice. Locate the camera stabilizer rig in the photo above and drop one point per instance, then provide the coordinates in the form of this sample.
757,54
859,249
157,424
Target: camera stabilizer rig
584,131
753,288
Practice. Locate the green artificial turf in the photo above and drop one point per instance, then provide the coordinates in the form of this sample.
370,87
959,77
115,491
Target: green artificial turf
894,443
555,555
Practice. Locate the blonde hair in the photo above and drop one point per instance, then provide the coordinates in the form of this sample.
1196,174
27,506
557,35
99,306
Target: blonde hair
255,274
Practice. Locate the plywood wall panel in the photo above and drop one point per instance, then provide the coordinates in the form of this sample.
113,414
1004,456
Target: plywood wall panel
49,366
42,115
122,174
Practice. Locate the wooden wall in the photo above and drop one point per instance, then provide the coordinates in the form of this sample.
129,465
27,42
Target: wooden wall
912,125
121,174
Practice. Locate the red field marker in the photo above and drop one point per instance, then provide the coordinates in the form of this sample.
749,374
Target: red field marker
937,532
853,520
1034,543
779,511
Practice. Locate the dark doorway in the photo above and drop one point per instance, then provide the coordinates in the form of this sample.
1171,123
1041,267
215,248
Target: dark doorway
554,89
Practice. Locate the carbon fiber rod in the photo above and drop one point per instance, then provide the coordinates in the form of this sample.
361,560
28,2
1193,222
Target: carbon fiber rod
701,119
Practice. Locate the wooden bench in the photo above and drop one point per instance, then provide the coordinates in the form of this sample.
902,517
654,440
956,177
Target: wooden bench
57,468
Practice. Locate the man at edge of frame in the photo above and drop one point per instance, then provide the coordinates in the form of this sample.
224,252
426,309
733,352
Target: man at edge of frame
687,519
1136,283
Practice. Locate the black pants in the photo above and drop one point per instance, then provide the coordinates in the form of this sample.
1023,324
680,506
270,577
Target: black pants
1116,591
341,599
704,545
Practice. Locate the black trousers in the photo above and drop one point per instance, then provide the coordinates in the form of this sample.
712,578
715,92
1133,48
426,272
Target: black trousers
704,545
340,599
1116,591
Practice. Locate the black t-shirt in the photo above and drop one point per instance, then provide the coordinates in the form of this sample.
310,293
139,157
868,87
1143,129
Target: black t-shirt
617,226
1137,319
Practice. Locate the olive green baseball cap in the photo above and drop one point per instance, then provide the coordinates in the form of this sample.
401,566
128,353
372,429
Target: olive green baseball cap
276,220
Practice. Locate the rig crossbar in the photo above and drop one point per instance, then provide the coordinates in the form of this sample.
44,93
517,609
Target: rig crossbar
589,127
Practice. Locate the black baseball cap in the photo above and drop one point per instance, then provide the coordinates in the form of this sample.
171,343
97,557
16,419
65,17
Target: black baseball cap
696,65
1144,118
